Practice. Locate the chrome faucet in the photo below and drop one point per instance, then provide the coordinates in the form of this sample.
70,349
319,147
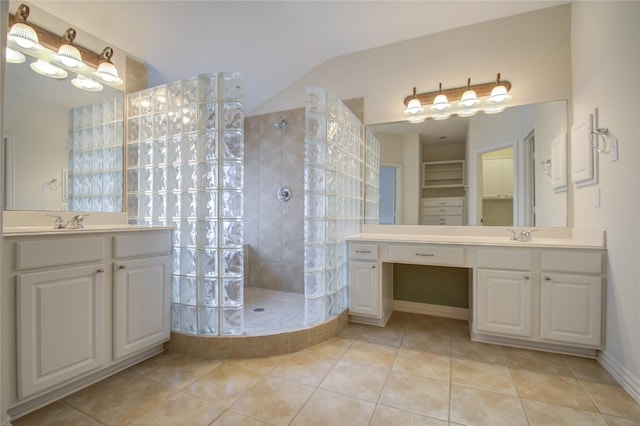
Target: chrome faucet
526,235
59,223
75,222
514,235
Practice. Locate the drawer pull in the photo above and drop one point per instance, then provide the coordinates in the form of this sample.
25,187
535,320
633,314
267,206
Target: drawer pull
526,277
100,270
547,279
122,266
425,255
363,251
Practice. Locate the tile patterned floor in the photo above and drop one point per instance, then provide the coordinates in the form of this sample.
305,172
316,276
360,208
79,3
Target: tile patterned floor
263,308
417,371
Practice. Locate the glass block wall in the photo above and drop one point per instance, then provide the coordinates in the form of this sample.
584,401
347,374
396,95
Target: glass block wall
95,135
371,179
333,204
185,161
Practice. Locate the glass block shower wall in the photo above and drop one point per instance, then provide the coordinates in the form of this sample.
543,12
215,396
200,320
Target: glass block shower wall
333,204
95,135
185,164
371,179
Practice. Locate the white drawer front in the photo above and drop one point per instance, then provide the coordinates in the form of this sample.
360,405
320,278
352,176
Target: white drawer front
442,202
142,244
59,251
567,261
521,260
427,254
442,220
442,211
363,251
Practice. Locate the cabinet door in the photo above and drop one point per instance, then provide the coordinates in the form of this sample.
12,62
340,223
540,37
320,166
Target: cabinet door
60,326
571,309
141,304
503,302
364,298
497,178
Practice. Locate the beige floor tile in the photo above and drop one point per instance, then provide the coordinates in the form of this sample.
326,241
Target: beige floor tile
56,414
543,362
434,326
484,352
178,410
483,375
612,399
460,330
420,341
119,400
372,354
333,348
399,320
153,363
560,390
264,365
425,364
273,400
225,384
229,418
389,416
477,407
420,394
328,408
304,367
181,371
356,380
589,369
352,331
544,414
620,421
383,335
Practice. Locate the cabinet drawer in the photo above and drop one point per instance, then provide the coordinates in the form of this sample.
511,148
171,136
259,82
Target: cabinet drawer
442,202
442,211
427,254
566,261
442,220
142,244
363,251
505,259
60,251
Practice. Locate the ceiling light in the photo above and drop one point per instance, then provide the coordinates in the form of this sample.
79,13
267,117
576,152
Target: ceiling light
69,55
469,98
48,70
108,72
21,32
15,57
85,83
440,103
414,107
499,94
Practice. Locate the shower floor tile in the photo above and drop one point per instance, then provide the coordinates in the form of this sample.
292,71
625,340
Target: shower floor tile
272,311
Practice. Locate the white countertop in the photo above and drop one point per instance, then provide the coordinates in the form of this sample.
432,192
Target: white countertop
12,231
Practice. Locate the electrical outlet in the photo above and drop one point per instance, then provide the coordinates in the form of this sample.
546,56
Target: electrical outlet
614,151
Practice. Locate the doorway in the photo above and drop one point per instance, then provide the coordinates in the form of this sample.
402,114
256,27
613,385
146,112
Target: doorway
389,205
497,187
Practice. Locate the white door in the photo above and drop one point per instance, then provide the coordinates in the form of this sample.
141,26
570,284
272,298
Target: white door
364,297
387,206
503,302
571,309
61,326
141,304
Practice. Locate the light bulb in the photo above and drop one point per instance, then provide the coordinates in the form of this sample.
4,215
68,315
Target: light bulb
499,95
414,107
469,99
48,70
440,103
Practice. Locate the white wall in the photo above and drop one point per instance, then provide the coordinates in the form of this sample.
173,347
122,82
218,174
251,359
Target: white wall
606,70
532,51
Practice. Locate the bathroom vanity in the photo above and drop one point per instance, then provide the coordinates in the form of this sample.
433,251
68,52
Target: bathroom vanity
78,305
544,290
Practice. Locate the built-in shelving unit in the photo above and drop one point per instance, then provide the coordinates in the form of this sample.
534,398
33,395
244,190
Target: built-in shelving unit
443,174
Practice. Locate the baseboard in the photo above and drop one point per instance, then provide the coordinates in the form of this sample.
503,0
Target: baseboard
628,381
434,310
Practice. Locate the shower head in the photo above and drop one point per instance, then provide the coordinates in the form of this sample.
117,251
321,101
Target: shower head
282,124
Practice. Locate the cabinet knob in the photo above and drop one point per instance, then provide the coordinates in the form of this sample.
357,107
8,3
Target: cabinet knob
547,278
122,266
526,277
100,270
373,267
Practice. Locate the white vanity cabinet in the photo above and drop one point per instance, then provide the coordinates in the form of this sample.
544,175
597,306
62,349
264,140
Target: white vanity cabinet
370,302
77,306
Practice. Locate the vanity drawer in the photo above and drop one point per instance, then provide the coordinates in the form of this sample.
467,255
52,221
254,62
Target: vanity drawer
442,220
430,255
363,251
59,251
520,260
567,261
442,211
142,243
442,202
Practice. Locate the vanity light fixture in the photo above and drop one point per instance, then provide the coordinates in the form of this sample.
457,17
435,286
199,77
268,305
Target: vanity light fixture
69,55
107,72
86,83
21,33
15,57
44,68
465,101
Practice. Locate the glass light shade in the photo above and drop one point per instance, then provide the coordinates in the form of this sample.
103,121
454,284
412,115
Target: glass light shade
24,36
85,83
441,116
440,103
494,109
15,57
417,119
414,107
69,56
467,113
108,73
499,95
48,70
469,99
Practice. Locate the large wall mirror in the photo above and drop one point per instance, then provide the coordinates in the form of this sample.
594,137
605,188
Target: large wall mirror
506,169
63,146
